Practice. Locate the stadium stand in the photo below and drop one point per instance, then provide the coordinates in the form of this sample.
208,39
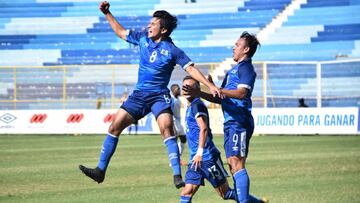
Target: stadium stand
69,32
328,28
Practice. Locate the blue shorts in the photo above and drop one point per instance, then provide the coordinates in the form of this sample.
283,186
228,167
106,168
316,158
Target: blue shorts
140,103
236,139
213,170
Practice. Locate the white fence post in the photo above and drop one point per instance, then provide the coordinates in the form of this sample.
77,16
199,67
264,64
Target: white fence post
318,85
265,96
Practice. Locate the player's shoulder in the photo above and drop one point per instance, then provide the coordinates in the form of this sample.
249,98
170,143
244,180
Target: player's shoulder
199,105
169,45
245,67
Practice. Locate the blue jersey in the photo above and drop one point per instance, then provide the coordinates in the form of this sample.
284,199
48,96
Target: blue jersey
197,108
157,61
241,75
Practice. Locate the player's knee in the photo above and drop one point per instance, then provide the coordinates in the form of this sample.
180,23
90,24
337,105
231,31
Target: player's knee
186,192
166,129
117,127
166,132
114,130
236,163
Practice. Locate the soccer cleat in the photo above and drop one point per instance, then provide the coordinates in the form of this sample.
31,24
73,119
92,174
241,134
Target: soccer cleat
94,173
264,200
178,181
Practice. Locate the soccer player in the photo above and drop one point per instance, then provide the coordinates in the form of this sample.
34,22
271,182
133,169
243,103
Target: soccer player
175,107
158,56
237,88
205,161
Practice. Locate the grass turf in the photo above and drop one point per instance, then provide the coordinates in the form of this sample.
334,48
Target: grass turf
282,168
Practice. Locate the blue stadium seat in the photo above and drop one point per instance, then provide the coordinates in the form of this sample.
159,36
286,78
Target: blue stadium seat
60,32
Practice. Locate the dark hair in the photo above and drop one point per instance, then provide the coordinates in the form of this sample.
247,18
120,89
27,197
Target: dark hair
173,86
167,21
251,41
188,77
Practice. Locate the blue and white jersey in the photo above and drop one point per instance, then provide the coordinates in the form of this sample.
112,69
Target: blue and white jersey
197,108
241,75
157,61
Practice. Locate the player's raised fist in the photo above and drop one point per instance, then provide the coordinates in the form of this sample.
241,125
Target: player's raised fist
104,7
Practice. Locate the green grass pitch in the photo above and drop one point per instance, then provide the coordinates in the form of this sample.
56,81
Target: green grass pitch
283,168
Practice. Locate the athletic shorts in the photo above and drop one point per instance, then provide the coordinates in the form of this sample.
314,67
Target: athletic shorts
140,103
179,130
236,139
213,170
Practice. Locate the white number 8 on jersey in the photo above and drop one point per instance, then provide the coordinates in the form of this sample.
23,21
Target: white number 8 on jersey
153,56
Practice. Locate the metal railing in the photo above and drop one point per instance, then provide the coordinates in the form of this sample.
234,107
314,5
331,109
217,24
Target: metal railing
278,84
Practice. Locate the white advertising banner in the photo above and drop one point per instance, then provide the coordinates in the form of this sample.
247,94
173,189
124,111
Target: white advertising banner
306,120
297,120
65,122
267,121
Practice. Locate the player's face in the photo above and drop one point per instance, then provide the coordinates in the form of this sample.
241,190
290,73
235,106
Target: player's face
176,91
154,30
240,49
191,83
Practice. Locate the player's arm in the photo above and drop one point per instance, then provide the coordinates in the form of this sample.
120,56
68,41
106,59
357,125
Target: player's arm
197,75
202,123
209,97
187,90
115,25
239,93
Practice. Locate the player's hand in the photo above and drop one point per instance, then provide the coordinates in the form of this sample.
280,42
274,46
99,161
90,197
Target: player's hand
216,92
196,162
104,7
190,91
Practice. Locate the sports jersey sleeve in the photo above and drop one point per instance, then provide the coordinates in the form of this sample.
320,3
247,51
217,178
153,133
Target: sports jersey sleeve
199,110
182,59
133,37
246,77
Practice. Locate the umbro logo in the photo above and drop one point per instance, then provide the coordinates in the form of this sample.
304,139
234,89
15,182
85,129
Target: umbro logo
7,118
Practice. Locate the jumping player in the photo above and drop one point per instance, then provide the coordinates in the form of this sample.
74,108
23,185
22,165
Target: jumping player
158,56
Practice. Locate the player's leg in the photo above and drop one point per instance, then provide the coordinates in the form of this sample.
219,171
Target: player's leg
236,141
241,178
180,133
161,108
121,121
225,192
188,192
193,181
242,181
216,174
165,123
133,108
